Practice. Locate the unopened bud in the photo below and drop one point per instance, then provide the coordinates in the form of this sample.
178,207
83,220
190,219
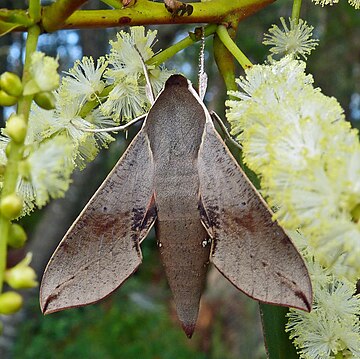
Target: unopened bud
11,206
6,99
45,100
21,275
10,302
11,84
16,128
17,236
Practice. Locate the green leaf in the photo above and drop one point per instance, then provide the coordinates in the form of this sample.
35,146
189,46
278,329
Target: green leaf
6,27
277,342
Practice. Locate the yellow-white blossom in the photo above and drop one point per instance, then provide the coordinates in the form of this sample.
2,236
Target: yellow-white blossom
295,39
43,70
325,2
127,98
307,155
84,80
333,325
126,101
45,172
355,4
308,159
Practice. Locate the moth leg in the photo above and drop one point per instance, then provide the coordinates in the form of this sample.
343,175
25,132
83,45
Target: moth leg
111,129
149,219
228,137
206,221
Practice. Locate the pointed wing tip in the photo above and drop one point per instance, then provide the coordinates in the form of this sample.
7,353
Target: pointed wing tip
53,302
48,306
301,301
189,329
306,300
44,306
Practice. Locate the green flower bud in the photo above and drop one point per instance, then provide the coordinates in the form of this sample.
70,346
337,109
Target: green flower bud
17,236
7,100
11,84
10,302
21,275
45,100
16,128
11,206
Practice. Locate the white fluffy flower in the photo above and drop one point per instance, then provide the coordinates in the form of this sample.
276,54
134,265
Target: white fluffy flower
295,39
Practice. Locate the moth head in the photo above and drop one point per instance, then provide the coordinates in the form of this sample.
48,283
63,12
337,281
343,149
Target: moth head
176,80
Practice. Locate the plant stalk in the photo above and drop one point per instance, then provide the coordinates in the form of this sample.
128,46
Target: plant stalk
225,38
182,44
15,155
295,14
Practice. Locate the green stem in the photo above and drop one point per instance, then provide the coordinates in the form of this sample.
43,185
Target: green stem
154,13
31,44
35,10
182,44
113,3
231,46
225,64
89,106
4,230
16,150
62,14
295,14
55,15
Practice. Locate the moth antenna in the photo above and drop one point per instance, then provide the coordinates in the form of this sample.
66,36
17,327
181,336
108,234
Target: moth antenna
110,129
148,88
203,78
217,118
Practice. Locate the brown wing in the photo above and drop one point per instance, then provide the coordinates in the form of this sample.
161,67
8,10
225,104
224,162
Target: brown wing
249,249
101,249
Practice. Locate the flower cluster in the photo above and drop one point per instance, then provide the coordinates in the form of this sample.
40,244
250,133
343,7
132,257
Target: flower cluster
354,3
127,98
333,325
92,95
308,158
295,39
296,138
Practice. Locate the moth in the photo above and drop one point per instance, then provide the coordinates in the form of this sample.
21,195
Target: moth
178,175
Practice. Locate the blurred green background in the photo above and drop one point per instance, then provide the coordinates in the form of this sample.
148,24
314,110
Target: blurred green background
139,320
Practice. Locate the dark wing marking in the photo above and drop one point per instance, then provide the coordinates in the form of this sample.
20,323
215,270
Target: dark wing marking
249,249
101,249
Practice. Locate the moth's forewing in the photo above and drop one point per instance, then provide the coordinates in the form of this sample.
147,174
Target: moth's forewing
101,249
249,249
